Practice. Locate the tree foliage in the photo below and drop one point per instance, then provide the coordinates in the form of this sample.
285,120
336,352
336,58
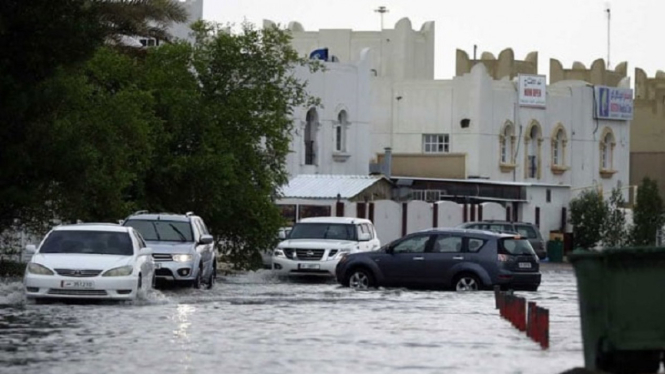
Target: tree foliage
615,233
227,104
647,214
588,213
38,38
147,18
95,133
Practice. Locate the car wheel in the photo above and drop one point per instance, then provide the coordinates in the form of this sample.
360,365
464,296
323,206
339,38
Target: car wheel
360,279
213,276
197,281
467,282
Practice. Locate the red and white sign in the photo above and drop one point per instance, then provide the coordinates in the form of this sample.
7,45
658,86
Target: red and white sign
532,91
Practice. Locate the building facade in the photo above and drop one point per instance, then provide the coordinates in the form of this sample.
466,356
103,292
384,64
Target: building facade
479,127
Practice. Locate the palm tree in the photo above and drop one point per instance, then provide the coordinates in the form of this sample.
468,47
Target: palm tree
144,18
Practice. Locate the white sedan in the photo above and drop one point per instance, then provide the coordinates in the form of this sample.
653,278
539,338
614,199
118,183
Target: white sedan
89,261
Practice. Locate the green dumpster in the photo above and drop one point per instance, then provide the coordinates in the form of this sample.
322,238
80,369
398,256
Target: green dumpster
555,250
621,295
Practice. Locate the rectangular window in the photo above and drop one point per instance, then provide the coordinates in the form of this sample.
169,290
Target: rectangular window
504,151
339,139
436,143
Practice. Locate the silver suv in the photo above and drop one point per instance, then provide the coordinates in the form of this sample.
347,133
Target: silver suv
183,250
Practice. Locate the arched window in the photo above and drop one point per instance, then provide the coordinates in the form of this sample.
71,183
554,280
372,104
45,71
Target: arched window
310,136
607,143
559,143
507,147
340,131
532,144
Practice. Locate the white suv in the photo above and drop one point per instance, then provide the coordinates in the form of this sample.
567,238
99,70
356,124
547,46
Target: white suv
315,245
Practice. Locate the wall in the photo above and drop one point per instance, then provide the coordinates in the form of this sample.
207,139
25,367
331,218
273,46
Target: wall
439,107
399,53
647,149
449,165
388,216
343,87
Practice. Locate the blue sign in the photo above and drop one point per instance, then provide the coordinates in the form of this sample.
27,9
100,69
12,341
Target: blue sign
319,54
613,103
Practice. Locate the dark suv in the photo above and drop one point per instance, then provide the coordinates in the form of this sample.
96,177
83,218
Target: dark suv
525,229
458,259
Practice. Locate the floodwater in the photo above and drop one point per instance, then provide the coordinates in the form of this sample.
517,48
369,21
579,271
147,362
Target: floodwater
254,323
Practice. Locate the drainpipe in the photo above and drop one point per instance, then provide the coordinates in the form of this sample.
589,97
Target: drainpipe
387,162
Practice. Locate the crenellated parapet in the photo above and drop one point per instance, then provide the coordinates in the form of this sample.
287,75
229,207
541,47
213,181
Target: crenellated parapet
402,52
505,66
650,92
597,74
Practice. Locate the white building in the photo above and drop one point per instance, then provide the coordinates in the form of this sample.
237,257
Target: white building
333,138
473,127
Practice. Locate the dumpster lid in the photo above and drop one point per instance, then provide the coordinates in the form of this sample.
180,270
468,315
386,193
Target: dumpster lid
579,253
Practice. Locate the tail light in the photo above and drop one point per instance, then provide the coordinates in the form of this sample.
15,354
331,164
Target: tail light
503,258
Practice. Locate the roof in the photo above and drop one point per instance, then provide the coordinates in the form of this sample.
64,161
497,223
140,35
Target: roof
347,220
112,227
469,231
324,186
159,217
481,181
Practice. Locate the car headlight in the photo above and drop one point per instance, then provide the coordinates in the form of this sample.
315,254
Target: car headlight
35,268
122,271
278,253
182,258
341,254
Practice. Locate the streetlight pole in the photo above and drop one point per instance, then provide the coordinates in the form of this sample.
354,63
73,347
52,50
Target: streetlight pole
381,10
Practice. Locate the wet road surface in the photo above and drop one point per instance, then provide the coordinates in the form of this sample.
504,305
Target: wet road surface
256,323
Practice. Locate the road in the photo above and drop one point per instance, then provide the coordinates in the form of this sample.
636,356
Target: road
254,323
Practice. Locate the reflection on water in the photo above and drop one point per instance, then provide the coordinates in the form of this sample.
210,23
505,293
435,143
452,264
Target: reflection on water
257,323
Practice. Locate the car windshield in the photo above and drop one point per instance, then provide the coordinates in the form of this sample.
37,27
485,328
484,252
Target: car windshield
88,242
513,246
323,231
526,231
163,231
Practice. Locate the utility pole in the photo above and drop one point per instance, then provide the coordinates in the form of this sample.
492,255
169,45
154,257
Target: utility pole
381,10
607,9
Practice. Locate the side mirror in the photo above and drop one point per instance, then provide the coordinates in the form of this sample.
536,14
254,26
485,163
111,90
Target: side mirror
145,251
282,235
364,237
206,239
31,249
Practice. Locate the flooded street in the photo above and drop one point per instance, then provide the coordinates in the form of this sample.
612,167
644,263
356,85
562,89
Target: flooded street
256,323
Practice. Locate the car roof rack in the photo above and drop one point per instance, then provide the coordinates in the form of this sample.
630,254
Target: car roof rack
189,214
138,212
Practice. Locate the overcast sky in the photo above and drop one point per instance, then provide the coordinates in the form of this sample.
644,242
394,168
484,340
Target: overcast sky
569,30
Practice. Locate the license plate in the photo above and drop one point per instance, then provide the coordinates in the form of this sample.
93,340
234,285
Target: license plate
525,265
77,284
308,266
158,265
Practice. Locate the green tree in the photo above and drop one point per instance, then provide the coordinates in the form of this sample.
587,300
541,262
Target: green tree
147,18
99,138
647,214
615,233
37,39
588,214
227,104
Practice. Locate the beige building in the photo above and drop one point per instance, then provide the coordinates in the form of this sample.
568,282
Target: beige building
647,137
